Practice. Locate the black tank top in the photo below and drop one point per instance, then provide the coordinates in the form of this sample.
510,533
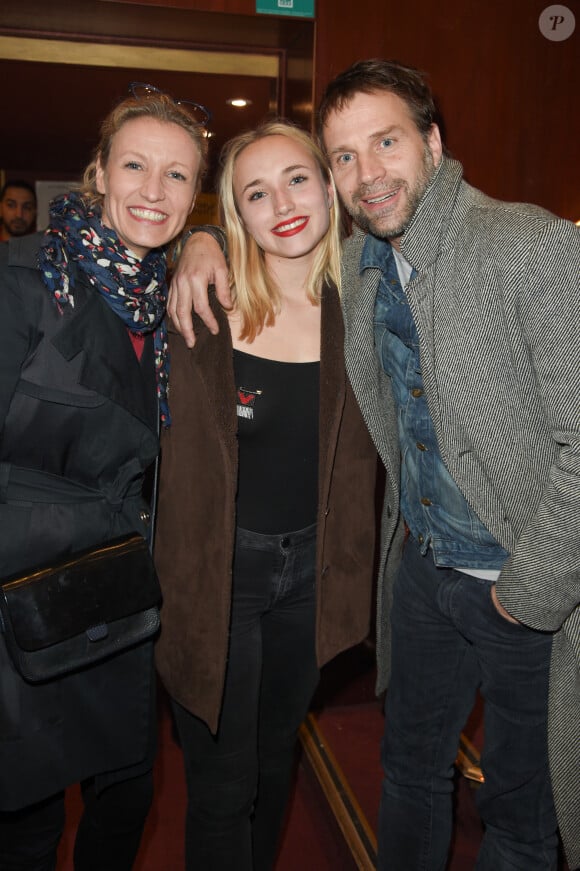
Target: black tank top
278,410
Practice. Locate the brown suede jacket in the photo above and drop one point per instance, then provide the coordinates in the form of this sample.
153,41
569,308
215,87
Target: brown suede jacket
197,512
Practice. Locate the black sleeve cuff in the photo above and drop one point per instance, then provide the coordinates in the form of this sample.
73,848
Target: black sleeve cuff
216,233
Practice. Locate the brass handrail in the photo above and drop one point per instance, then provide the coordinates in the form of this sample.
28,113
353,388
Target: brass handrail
355,828
353,824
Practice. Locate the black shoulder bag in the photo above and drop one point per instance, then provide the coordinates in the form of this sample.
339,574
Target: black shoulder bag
78,611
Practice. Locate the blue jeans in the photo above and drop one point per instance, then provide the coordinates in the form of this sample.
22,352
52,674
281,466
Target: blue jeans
239,780
448,641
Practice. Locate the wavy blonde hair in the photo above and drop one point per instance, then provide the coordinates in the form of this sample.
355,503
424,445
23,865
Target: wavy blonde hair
161,108
255,294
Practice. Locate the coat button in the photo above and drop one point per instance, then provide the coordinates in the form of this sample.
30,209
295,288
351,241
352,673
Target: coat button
416,392
285,542
420,538
421,446
145,516
425,501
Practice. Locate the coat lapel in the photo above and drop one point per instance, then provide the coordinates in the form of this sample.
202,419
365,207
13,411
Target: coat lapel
332,385
421,246
110,366
217,376
370,384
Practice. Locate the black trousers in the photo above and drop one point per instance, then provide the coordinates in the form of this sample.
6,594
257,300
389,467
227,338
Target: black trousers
107,839
239,780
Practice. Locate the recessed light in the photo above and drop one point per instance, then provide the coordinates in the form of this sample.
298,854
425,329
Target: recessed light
238,102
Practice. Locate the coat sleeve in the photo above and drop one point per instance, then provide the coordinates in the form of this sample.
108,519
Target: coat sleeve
540,582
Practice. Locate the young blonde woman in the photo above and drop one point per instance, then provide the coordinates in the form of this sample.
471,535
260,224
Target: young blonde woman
82,382
266,516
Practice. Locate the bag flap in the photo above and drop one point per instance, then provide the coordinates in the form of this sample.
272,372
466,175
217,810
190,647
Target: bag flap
99,585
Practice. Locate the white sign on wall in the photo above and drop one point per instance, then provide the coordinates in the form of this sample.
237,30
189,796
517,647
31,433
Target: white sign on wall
45,192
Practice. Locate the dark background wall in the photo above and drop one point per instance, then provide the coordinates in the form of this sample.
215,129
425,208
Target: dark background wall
508,95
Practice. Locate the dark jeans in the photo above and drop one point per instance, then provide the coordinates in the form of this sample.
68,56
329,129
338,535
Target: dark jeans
448,641
239,780
107,839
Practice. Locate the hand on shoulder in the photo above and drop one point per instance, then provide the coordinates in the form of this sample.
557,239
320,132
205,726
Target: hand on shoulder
201,263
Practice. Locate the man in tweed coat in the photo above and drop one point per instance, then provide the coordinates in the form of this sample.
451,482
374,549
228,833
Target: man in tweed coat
463,347
462,344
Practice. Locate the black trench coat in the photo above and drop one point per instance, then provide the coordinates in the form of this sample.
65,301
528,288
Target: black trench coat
78,408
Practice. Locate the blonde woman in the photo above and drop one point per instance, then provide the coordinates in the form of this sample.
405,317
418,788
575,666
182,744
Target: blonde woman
266,519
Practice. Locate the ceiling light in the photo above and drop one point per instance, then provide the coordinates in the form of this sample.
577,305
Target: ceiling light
238,102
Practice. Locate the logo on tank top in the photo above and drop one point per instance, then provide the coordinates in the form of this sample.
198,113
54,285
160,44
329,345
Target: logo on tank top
246,402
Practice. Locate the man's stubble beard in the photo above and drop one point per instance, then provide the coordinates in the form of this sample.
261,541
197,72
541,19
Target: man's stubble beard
374,224
20,232
17,228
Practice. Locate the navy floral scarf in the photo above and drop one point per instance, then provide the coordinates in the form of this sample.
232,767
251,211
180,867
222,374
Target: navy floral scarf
136,290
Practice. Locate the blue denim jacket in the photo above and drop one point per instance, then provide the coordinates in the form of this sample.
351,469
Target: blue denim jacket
434,508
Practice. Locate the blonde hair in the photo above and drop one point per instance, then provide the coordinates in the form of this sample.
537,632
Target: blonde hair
255,294
161,108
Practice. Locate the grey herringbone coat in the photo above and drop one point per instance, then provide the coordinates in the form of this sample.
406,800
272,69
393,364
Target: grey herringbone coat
497,310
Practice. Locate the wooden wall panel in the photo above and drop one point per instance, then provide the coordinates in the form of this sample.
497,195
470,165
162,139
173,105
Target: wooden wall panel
508,95
233,7
100,46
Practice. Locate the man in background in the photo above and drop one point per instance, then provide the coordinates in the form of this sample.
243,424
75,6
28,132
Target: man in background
17,209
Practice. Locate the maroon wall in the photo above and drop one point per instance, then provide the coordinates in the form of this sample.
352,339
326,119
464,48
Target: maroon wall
509,96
